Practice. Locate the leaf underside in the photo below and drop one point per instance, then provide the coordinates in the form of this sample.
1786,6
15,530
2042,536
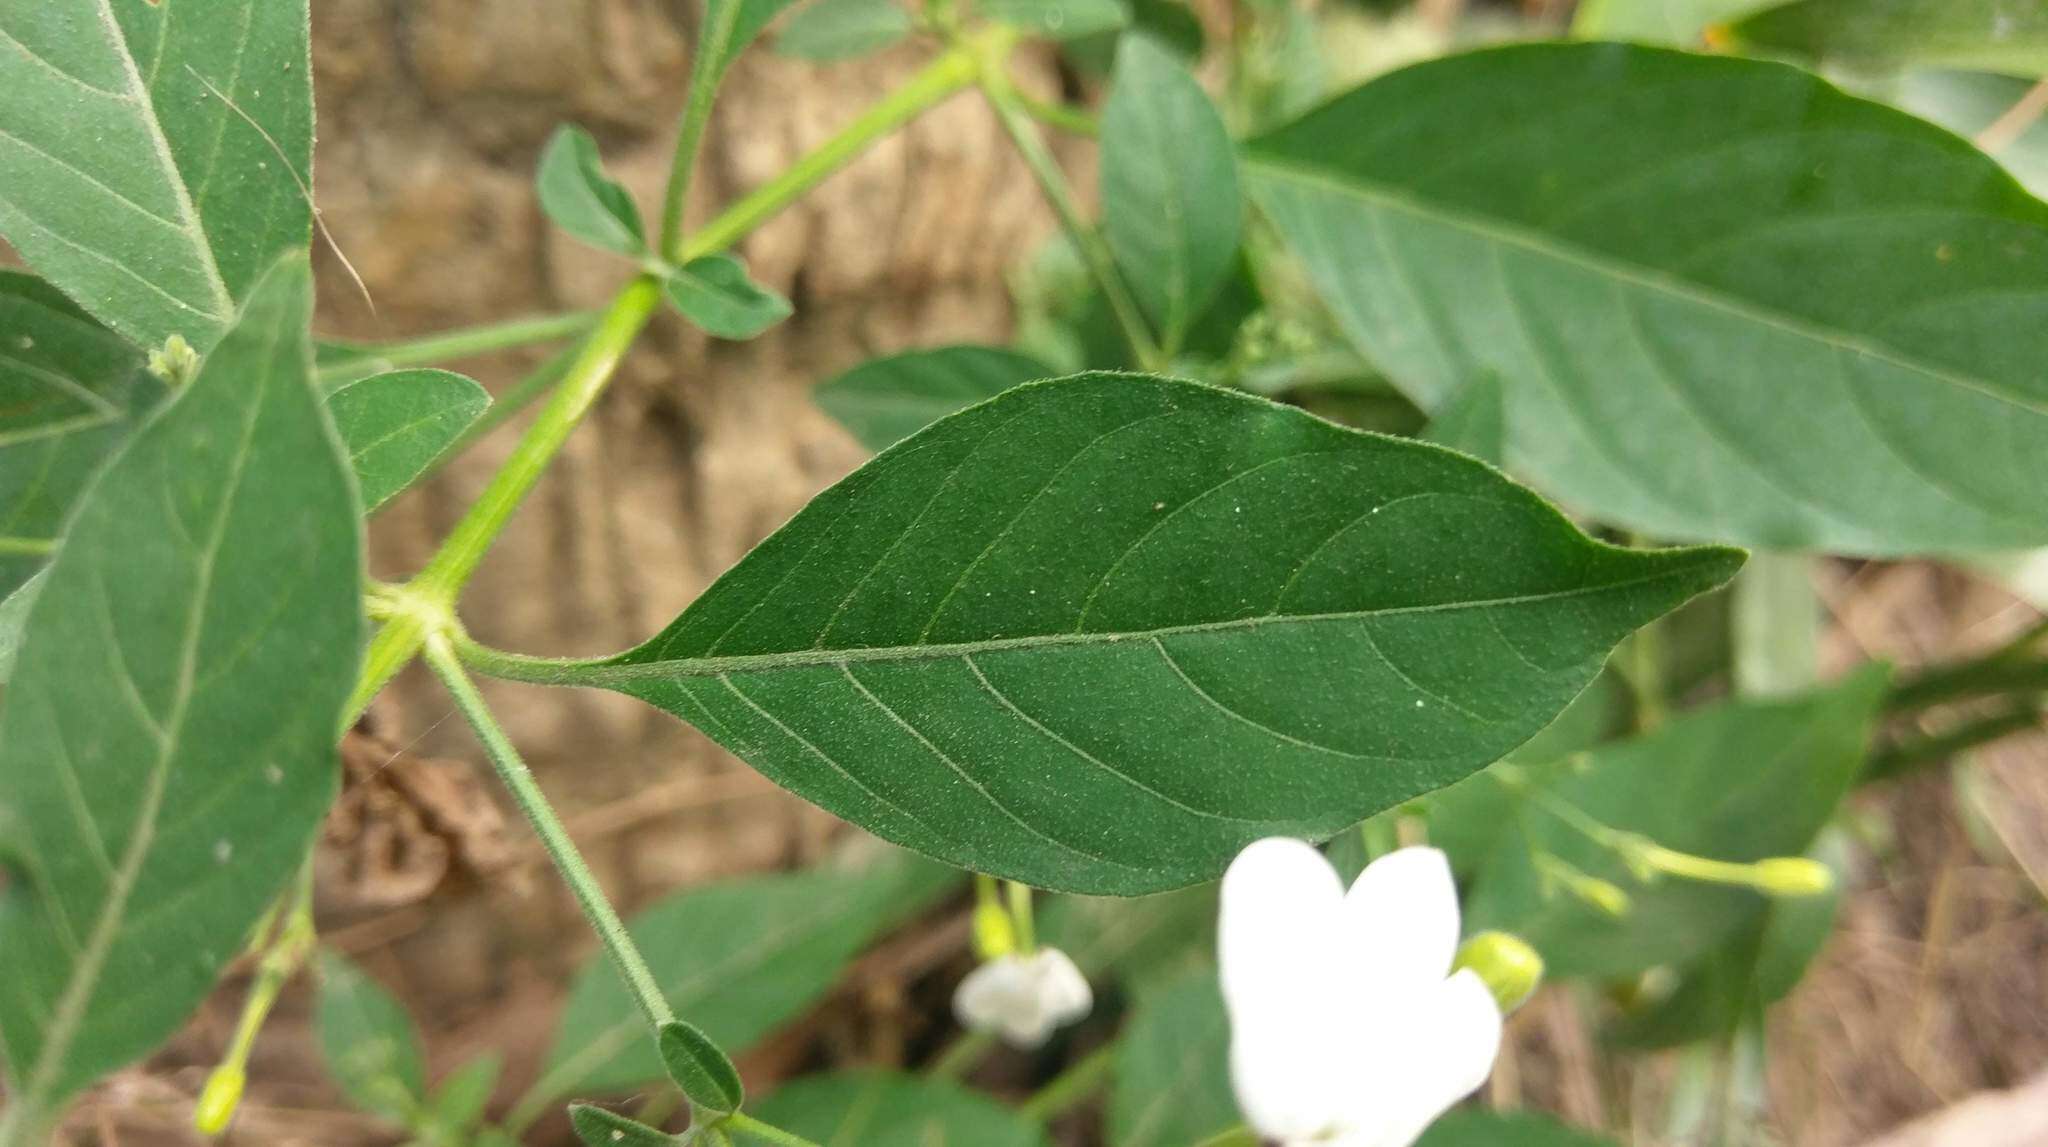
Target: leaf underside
1724,299
1099,633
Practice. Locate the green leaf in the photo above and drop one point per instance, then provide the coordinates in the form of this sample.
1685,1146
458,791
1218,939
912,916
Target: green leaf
1986,35
167,746
1738,781
461,1098
1173,1067
394,425
1058,637
1058,19
14,619
582,200
843,29
886,400
370,1044
739,959
1679,23
1968,102
71,391
155,157
715,293
1138,941
888,1109
600,1128
729,26
700,1068
1724,299
1492,1129
1472,421
1171,207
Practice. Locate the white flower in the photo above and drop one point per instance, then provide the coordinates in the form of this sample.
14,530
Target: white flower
1022,998
1347,1027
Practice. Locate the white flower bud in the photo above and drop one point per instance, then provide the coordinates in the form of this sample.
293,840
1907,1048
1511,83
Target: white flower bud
1022,998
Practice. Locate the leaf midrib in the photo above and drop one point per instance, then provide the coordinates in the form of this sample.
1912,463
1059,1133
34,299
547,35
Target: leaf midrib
613,672
1634,274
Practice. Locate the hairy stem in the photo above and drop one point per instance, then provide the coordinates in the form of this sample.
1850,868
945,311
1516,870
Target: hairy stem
466,343
706,70
1010,108
603,918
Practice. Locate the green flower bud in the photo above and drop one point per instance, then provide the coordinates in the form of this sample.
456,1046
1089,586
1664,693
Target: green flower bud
1510,968
1793,876
218,1100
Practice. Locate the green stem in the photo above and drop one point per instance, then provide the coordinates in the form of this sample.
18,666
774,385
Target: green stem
2009,668
1904,757
516,398
927,89
961,1056
1020,915
1071,1087
467,343
1016,120
27,547
706,70
1064,117
746,1124
604,920
1235,1137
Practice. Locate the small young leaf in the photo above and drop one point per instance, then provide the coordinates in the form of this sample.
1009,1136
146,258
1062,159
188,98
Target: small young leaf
739,958
582,200
460,1100
886,400
394,425
843,29
1058,636
369,1042
1170,202
698,1066
155,168
729,26
1058,19
714,293
167,746
71,392
1723,298
600,1128
1984,35
1472,421
1173,1067
888,1109
1468,1128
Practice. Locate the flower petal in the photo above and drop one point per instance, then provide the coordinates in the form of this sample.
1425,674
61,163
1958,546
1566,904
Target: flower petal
1063,991
1400,921
1448,1050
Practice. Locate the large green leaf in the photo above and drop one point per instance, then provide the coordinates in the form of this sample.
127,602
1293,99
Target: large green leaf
737,960
1062,635
1989,35
886,400
167,746
394,425
1739,781
1170,203
887,1109
154,157
1725,300
1173,1067
1680,23
1968,102
71,391
1517,1129
369,1042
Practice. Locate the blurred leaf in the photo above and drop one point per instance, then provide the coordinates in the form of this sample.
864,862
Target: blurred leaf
1172,23
460,1100
369,1042
729,26
886,400
71,391
887,1109
14,618
1058,19
1472,421
843,29
395,425
715,293
581,200
739,958
1776,618
156,168
167,746
1738,781
1170,201
1138,941
1469,1128
1710,287
1969,102
1987,35
600,1128
700,1068
1173,1067
1212,336
1057,637
1679,23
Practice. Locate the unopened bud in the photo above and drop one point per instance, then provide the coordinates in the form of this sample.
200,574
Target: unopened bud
995,934
1508,966
175,362
1793,876
218,1100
